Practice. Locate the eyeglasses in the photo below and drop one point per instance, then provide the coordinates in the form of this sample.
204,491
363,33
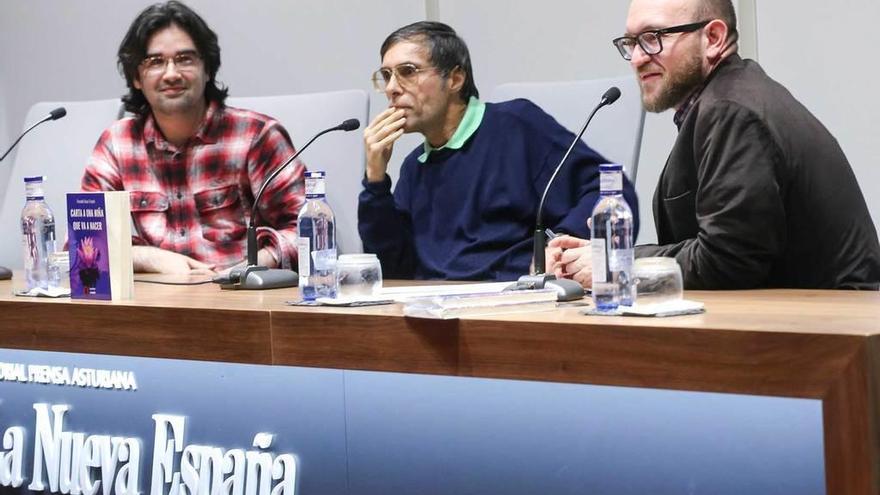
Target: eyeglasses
651,42
186,61
406,75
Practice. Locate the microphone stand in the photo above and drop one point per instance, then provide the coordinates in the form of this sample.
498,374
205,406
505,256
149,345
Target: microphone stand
6,273
254,276
567,290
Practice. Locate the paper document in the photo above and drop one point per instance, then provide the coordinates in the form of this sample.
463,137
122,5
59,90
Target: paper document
478,304
404,293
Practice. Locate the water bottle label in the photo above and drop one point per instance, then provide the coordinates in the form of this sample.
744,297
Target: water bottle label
600,268
611,182
325,259
33,189
620,260
303,256
315,186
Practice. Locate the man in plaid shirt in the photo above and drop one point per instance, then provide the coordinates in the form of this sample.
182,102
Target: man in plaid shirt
193,165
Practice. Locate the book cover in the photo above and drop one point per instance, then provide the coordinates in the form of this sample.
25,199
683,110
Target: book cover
99,241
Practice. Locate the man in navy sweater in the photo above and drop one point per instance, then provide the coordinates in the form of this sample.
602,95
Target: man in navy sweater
464,206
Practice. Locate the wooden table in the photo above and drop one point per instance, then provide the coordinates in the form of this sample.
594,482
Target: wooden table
809,344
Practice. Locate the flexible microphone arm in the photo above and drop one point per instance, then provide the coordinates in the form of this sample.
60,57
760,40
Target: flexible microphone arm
608,98
53,115
348,125
6,273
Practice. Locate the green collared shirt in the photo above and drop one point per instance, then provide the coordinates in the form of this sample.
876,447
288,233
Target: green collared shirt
469,124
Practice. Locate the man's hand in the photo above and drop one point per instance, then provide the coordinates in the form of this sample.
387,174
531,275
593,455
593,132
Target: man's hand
149,259
570,257
379,139
265,257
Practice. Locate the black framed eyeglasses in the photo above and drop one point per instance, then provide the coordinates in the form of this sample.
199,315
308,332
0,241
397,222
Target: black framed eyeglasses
406,74
651,42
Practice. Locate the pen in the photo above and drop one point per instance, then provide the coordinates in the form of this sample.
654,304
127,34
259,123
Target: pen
550,234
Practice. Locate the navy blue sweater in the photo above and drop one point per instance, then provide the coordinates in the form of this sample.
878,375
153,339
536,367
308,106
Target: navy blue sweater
469,214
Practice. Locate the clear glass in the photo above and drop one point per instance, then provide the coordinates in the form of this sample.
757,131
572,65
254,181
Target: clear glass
658,280
59,269
358,275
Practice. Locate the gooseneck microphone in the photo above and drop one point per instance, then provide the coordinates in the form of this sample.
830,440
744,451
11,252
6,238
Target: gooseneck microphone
567,289
6,273
53,115
254,276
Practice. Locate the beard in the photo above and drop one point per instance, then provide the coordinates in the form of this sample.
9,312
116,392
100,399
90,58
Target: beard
677,85
184,103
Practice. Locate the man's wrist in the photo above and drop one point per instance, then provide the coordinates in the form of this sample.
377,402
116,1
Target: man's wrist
375,176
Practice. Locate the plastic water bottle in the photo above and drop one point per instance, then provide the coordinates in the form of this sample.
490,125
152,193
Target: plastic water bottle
316,242
612,243
38,234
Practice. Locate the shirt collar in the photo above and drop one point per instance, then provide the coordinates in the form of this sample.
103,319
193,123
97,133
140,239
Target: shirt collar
207,132
691,100
469,124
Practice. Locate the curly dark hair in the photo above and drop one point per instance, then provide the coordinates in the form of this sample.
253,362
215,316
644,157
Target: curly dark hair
446,47
133,50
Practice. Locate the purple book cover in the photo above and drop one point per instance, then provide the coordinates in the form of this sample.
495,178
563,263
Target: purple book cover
87,242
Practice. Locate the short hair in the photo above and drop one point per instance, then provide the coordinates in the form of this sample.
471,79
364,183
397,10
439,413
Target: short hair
717,9
447,50
133,50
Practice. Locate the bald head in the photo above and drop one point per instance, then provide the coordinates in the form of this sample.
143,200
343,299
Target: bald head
688,10
700,34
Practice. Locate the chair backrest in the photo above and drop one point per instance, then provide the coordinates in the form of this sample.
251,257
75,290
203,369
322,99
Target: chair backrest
616,131
58,150
340,154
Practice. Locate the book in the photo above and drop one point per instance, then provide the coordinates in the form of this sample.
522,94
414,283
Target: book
479,304
404,293
99,240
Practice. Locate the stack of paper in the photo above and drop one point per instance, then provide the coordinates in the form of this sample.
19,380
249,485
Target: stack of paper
474,304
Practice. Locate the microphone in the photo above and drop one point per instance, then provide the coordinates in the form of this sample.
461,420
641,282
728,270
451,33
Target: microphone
254,276
567,290
6,273
348,125
53,115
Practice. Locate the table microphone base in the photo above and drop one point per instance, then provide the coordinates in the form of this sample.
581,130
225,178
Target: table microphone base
566,290
5,273
256,277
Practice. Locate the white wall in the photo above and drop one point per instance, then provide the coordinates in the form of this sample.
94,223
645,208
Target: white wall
823,52
65,50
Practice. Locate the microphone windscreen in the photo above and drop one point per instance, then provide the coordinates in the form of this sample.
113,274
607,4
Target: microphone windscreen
350,125
57,113
611,95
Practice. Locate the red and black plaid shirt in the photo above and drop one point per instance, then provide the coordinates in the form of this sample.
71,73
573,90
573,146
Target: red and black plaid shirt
196,199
